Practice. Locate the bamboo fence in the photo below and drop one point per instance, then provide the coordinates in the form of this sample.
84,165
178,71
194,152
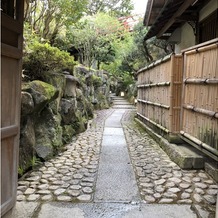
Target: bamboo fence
200,98
179,94
159,95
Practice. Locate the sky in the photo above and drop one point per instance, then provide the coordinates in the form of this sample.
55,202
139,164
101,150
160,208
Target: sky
140,6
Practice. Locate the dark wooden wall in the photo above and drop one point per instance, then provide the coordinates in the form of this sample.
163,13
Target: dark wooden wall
11,68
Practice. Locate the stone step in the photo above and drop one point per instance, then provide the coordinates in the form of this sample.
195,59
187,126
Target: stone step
119,100
121,103
123,107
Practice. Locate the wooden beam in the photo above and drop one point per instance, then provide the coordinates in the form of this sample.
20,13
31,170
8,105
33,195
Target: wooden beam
10,51
9,131
179,12
149,13
11,24
187,18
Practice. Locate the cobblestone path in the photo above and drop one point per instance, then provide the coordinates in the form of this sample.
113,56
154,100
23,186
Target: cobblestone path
71,176
159,179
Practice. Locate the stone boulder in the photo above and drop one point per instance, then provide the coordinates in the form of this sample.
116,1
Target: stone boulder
68,111
42,93
27,103
81,70
71,84
27,143
59,82
68,133
48,133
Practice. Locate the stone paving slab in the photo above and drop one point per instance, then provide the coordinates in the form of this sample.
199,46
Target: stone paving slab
161,211
115,119
108,140
60,211
121,103
113,210
116,180
113,131
22,210
120,155
115,183
113,123
123,107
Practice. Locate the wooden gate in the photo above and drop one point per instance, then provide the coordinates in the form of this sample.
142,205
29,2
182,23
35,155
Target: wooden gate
11,67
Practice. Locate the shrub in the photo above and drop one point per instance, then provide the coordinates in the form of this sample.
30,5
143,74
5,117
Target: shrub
43,57
40,56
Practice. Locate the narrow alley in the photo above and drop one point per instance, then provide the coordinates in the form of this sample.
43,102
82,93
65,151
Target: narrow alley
114,169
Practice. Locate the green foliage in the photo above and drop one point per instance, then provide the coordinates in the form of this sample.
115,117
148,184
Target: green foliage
127,80
34,161
42,57
116,8
94,38
97,81
133,53
51,18
20,171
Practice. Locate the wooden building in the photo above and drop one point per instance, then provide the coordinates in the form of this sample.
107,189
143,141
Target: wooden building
178,95
11,68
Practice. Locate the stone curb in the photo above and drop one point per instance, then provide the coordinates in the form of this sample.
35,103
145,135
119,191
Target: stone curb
183,155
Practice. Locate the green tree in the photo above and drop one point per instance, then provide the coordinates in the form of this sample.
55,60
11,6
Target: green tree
143,52
49,17
94,37
117,8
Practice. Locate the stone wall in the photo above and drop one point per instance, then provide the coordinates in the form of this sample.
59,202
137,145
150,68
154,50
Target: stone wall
56,109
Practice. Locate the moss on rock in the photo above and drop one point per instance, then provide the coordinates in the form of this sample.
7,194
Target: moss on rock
42,93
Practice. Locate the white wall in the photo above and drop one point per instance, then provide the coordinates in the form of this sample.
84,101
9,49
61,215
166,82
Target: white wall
187,34
187,38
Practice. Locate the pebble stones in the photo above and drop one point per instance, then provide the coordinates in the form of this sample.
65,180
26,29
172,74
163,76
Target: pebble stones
149,199
64,198
84,198
72,174
159,179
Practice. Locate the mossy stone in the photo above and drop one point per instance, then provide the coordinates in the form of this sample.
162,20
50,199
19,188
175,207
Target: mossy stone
42,93
68,132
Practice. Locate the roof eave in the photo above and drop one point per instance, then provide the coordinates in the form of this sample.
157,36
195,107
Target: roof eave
167,23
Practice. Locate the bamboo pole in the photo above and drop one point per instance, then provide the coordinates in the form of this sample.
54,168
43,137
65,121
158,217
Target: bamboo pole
202,49
153,84
153,64
154,123
154,104
201,81
204,44
209,113
199,143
